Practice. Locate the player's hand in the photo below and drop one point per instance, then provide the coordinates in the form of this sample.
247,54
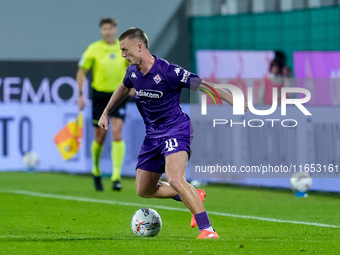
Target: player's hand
104,121
81,103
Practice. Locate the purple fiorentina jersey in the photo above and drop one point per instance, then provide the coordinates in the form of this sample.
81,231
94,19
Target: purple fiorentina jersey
158,97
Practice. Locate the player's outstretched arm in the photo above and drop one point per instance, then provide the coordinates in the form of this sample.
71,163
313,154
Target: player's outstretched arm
224,95
117,97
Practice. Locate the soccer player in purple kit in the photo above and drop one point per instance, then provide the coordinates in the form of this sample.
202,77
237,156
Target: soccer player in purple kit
166,147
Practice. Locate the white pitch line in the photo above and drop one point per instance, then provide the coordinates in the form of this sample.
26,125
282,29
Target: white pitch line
99,201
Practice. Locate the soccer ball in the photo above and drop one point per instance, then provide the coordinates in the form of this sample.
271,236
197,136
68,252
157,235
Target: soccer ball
301,182
31,159
146,222
198,183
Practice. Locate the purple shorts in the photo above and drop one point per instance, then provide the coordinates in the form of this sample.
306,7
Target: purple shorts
154,150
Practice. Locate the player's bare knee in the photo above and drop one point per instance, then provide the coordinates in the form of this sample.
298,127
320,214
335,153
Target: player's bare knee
100,136
140,192
143,192
176,183
117,135
117,139
100,140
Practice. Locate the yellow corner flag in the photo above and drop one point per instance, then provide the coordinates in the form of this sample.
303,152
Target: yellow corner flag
68,140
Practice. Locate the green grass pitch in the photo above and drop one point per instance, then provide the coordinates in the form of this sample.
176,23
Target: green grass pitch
54,213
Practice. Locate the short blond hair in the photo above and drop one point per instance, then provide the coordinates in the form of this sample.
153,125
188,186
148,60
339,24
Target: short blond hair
135,33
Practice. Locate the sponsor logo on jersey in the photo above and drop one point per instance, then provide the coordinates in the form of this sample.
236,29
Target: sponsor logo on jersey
157,79
133,75
150,93
177,70
185,77
112,56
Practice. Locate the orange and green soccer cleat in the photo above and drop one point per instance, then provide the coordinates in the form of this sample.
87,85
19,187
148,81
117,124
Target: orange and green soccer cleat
207,234
202,195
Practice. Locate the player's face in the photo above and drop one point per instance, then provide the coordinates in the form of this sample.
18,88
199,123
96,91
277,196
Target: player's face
108,32
131,50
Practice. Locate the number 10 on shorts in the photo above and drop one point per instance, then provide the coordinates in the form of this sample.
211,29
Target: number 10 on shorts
171,144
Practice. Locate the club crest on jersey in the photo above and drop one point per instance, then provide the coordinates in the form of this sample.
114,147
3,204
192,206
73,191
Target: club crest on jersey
157,78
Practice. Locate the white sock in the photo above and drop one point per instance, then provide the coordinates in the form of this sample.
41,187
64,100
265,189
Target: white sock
209,229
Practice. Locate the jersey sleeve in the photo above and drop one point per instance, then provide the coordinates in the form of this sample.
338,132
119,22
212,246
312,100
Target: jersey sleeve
87,59
182,78
126,81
